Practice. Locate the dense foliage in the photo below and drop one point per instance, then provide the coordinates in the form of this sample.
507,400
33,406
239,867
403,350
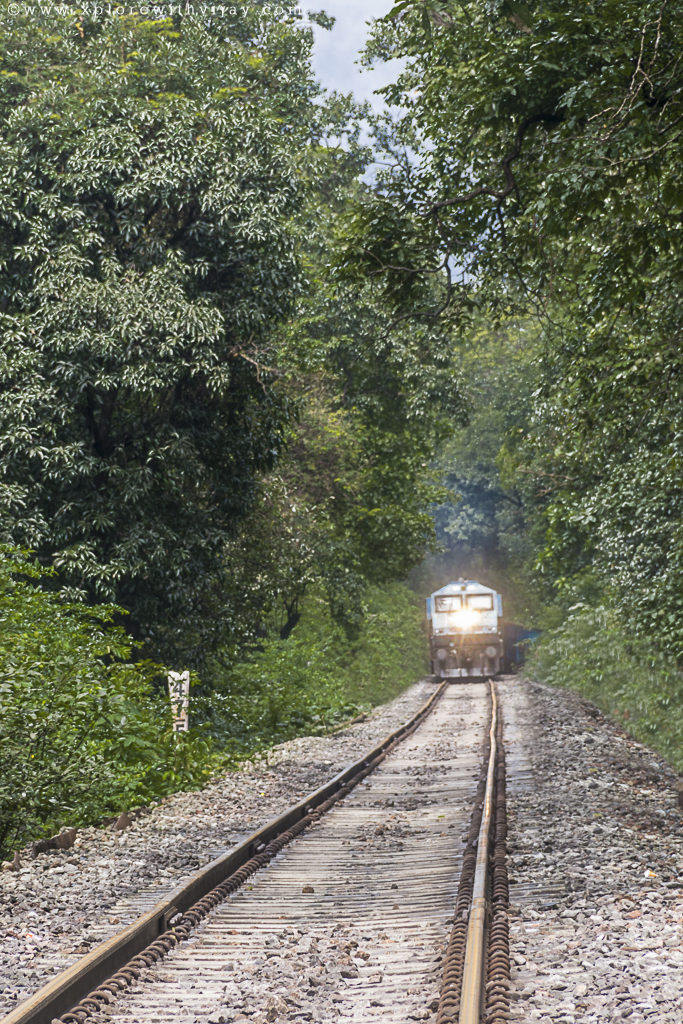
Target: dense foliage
375,402
484,530
318,676
549,184
169,329
629,679
83,732
147,187
199,426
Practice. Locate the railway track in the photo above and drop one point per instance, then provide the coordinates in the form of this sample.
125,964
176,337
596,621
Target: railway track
351,921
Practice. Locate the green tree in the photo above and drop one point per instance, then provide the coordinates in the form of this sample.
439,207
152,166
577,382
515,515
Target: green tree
348,505
484,529
150,174
549,182
171,326
83,732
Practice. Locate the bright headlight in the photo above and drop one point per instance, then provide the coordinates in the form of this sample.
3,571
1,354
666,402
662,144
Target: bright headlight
466,618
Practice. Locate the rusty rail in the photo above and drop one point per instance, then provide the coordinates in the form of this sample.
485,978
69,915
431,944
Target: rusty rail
473,969
476,977
81,990
498,961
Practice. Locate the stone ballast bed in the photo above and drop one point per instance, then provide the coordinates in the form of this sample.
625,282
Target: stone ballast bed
593,813
63,902
602,806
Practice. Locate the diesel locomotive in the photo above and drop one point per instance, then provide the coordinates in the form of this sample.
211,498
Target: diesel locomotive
464,621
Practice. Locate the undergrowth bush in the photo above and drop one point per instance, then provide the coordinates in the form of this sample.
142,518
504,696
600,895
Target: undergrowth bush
626,677
84,732
318,677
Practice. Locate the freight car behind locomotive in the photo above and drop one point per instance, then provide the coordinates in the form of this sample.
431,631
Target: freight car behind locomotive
464,620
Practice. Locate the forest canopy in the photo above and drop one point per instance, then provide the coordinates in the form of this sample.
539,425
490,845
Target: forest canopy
171,332
267,355
549,188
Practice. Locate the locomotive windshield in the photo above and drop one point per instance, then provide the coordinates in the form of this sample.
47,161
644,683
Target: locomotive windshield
480,602
448,603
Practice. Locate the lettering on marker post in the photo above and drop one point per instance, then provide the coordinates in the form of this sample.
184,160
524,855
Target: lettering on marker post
179,694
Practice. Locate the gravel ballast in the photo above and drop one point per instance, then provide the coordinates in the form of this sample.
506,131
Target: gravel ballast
344,924
63,902
595,860
593,816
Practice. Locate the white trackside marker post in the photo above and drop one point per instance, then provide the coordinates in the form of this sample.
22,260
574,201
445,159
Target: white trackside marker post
179,695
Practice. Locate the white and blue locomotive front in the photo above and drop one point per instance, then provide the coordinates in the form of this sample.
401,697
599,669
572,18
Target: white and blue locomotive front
464,620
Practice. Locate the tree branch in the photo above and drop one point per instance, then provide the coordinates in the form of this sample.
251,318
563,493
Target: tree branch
506,165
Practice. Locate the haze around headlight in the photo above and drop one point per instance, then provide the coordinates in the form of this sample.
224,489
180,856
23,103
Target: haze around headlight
465,619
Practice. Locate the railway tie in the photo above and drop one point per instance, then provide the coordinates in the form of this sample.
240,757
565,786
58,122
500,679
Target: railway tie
380,871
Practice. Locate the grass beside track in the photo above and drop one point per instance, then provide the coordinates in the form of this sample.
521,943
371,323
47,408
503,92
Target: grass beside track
86,730
318,677
629,680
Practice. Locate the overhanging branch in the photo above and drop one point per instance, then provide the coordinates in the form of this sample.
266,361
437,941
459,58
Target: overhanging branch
506,166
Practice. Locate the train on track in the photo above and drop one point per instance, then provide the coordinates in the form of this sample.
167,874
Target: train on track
465,625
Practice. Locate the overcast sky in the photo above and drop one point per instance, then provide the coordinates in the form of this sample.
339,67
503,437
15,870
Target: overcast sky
336,51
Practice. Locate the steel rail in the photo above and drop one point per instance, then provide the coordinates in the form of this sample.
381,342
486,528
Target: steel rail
498,975
473,970
171,919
